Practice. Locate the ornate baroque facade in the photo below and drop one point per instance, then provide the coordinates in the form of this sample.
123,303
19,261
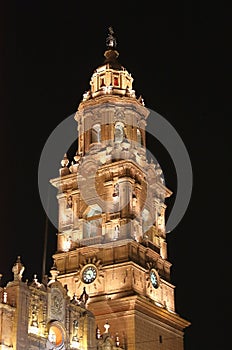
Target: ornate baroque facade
110,284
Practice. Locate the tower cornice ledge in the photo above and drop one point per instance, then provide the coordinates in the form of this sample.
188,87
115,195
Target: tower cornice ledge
64,180
136,305
112,100
163,315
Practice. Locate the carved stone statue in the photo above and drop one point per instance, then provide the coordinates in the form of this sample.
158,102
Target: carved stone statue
18,269
111,40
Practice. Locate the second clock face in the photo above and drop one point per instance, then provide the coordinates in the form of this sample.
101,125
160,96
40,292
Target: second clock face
89,274
154,278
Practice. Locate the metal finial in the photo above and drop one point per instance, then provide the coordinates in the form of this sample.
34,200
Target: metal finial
111,42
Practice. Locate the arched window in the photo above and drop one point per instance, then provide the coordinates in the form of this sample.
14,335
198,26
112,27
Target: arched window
93,224
96,133
93,210
56,336
102,81
119,132
116,82
146,220
139,137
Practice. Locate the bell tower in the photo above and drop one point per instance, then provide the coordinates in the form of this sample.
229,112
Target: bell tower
111,233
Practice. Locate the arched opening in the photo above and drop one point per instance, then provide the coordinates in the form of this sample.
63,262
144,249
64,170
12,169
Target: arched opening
146,221
93,223
96,133
93,210
56,335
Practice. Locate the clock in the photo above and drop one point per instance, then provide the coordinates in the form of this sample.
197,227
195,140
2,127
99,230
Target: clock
89,274
154,278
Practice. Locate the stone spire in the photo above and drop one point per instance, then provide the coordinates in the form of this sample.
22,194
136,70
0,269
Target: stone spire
65,161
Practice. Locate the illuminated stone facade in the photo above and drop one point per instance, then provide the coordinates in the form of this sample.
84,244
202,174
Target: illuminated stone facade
110,285
111,236
42,316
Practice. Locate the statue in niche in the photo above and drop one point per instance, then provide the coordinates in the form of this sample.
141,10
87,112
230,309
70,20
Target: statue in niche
161,219
66,216
116,190
69,202
136,234
67,244
116,232
75,328
34,316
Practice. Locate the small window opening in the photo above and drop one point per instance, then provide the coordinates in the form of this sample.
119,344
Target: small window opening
116,81
96,133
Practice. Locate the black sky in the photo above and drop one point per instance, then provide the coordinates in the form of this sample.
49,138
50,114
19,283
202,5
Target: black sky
179,54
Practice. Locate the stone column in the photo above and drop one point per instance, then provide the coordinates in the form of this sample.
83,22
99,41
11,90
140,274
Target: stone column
125,197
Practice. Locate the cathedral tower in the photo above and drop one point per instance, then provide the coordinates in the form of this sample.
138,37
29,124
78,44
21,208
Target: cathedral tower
111,236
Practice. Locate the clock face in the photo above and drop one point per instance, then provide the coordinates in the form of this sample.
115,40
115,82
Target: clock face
89,274
154,278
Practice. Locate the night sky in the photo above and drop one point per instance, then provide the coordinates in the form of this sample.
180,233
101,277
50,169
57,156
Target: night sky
179,54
